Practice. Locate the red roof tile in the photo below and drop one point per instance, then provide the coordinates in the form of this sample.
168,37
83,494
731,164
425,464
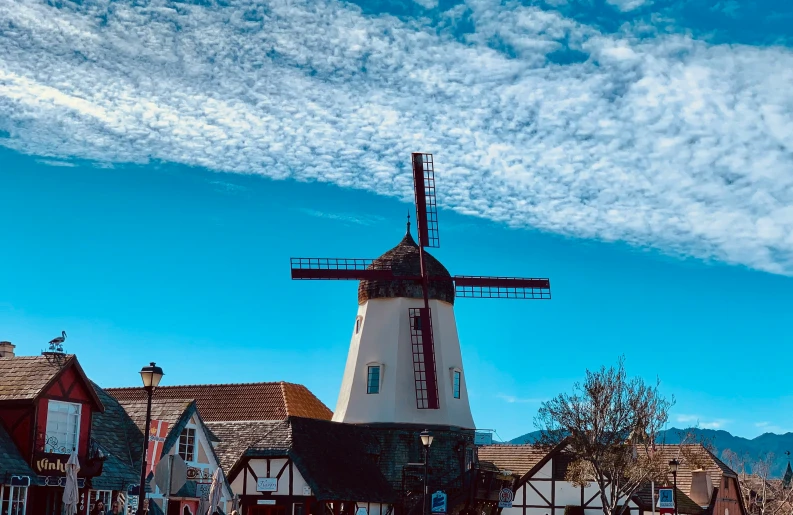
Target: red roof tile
237,402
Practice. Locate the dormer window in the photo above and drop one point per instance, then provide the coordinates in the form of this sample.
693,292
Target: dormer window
63,427
373,379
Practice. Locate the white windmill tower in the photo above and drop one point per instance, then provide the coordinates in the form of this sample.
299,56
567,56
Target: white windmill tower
404,364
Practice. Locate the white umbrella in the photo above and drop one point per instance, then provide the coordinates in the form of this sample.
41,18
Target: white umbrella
70,491
215,491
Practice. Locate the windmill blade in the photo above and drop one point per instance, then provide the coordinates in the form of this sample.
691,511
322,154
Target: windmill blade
426,203
341,268
484,287
423,346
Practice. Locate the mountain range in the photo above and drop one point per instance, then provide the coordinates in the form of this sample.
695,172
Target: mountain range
753,449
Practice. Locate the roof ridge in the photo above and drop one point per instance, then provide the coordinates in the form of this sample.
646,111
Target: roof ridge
286,400
117,388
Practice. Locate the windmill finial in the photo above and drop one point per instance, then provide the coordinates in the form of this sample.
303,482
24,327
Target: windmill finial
408,228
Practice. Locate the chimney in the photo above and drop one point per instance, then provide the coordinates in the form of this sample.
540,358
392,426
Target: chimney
7,350
701,487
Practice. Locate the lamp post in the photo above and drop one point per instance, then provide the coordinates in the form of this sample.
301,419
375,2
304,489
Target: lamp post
151,376
673,465
426,441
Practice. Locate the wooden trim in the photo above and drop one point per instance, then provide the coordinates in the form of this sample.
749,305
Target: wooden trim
540,464
281,472
255,477
553,496
245,481
594,497
540,494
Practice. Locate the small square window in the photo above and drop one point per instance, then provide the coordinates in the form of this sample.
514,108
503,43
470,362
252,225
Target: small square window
373,380
456,384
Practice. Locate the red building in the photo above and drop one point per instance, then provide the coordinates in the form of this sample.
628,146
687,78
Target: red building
48,408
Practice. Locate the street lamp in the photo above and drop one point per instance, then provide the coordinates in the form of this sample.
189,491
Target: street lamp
673,465
151,376
426,441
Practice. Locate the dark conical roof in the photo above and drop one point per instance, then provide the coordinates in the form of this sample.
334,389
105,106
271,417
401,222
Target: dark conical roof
404,259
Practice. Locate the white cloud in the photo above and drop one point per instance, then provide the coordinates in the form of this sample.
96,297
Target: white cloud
670,143
511,399
628,5
51,162
697,421
768,427
341,217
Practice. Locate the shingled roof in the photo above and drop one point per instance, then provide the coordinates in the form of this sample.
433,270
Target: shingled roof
404,260
11,462
24,378
120,440
241,401
694,457
518,459
305,441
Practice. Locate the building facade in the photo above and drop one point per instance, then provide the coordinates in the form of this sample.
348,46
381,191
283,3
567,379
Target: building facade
49,408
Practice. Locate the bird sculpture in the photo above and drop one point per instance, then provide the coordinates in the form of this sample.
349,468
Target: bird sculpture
56,344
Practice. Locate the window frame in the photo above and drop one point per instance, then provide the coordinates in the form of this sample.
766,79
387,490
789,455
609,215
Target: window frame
14,498
76,444
456,372
194,444
369,367
358,324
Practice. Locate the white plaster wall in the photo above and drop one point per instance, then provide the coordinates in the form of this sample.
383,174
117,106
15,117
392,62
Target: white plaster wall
384,338
259,467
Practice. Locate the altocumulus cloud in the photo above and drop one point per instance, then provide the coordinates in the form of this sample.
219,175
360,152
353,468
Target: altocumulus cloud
657,139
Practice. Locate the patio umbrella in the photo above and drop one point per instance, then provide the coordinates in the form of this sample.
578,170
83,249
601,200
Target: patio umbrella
215,491
70,491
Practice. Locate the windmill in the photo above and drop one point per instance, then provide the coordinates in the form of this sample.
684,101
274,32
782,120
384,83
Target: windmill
421,330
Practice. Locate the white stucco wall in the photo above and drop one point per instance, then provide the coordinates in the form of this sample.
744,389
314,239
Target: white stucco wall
535,497
384,338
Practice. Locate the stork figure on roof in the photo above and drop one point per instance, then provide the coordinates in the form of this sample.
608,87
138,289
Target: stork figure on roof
56,344
404,340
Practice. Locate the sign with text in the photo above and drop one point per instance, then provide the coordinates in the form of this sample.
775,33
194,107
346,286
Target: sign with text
666,499
438,502
505,498
158,430
267,484
265,501
481,438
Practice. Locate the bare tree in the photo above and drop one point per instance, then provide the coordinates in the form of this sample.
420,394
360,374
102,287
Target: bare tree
762,494
610,424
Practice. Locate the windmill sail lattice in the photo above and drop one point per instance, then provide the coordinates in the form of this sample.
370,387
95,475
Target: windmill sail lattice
421,333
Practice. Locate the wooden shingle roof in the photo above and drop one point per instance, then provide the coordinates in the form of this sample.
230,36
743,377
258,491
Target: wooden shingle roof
694,457
11,462
404,260
121,440
516,458
237,402
24,377
306,442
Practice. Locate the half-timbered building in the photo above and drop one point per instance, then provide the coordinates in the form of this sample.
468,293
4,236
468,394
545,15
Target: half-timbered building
541,488
49,408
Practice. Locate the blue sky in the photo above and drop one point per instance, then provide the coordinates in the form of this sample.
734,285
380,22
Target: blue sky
160,162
